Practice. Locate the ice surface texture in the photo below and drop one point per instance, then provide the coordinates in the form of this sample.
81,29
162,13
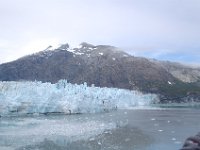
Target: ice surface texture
63,97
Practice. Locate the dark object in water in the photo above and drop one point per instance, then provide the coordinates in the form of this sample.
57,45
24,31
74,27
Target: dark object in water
192,143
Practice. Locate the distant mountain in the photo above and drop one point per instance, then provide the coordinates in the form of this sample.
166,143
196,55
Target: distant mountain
182,72
101,65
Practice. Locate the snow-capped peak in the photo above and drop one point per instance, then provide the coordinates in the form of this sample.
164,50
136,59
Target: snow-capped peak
83,48
64,46
87,45
79,46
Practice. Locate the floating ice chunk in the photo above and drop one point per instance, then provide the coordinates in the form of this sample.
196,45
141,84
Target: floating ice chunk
100,53
113,58
127,139
173,139
177,142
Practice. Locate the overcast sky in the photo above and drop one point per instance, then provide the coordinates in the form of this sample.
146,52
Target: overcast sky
161,29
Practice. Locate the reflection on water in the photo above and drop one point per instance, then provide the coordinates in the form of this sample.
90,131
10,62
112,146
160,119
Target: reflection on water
142,129
120,138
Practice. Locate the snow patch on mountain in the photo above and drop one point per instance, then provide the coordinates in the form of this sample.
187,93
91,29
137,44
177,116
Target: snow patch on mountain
82,49
63,97
79,46
169,83
78,53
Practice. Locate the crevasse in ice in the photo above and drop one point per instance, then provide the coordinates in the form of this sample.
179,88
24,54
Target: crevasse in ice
63,97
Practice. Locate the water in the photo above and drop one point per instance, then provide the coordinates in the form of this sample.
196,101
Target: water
139,129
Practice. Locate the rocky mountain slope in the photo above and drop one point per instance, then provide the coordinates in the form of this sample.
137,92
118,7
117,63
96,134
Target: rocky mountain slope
102,65
184,73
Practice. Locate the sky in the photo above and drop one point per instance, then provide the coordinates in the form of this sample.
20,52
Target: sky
160,29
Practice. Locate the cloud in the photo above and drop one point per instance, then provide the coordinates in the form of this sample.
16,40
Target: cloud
158,27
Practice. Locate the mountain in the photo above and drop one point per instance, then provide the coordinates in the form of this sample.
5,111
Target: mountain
185,73
101,65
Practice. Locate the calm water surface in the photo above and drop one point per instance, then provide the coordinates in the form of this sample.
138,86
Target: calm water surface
139,129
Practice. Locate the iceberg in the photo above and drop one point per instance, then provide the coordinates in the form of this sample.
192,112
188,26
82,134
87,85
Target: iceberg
62,97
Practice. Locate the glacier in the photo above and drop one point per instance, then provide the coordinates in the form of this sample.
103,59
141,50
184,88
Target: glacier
26,97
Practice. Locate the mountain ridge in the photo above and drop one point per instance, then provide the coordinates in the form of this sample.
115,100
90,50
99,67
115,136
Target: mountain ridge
100,65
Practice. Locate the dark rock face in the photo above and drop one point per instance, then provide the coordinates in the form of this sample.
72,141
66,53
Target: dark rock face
192,143
100,65
103,66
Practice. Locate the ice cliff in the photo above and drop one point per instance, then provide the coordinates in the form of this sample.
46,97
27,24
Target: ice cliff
62,97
